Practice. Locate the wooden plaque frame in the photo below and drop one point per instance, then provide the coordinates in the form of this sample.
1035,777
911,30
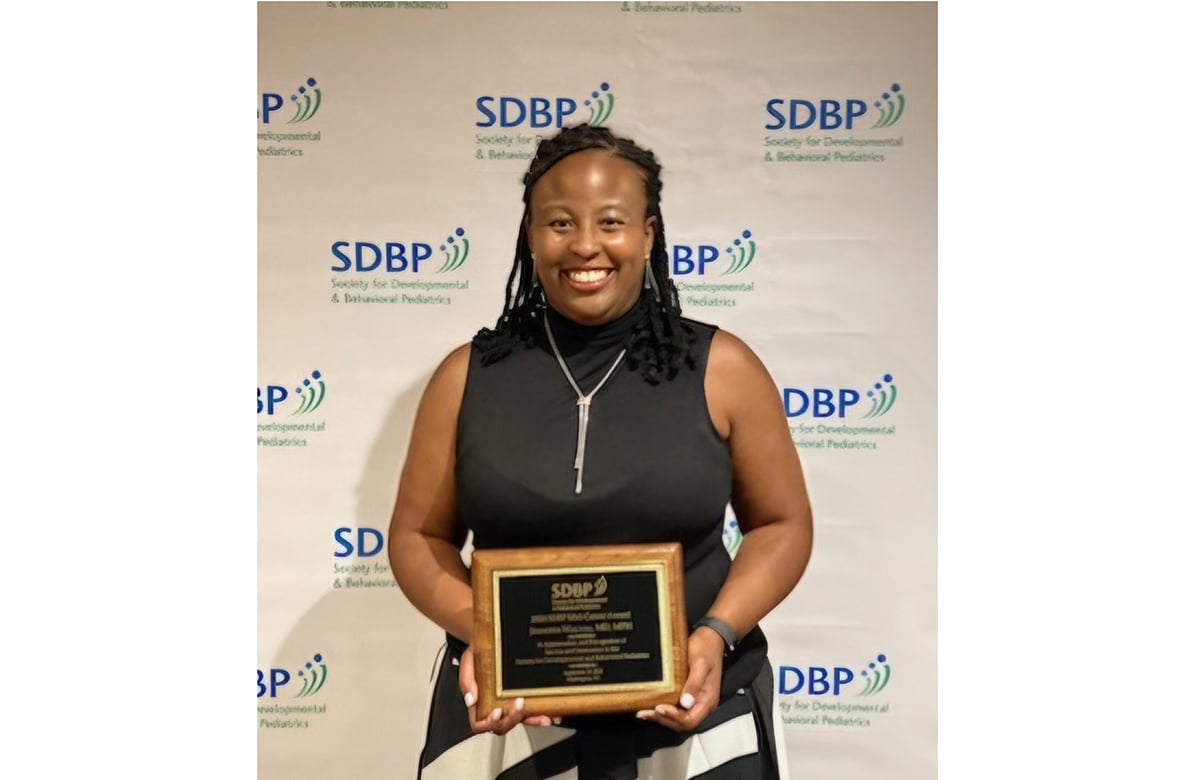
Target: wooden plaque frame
490,570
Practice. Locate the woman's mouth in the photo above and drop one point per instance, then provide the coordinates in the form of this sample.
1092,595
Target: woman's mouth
587,278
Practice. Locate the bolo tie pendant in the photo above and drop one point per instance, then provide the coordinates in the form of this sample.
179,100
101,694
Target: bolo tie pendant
583,404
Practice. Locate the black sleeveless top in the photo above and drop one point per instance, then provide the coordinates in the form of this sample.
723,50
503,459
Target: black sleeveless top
655,470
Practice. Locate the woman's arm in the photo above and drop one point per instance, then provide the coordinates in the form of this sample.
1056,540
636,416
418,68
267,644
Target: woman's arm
425,537
771,503
770,498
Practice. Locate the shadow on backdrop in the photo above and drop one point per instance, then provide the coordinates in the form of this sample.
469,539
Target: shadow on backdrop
376,651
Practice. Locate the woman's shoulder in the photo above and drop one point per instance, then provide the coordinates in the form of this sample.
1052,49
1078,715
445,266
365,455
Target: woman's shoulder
458,357
438,409
725,359
723,341
726,353
730,357
451,373
699,326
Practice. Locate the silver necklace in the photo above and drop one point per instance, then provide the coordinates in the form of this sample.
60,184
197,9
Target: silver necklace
583,404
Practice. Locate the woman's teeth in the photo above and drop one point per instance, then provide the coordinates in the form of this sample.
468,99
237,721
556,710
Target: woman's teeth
587,276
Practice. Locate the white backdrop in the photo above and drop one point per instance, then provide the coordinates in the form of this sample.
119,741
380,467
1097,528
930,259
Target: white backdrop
415,121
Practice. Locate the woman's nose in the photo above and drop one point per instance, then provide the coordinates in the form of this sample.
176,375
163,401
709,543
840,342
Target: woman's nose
585,242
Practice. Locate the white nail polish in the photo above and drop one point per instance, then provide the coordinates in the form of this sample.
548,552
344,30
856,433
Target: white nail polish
469,699
556,721
686,701
496,713
643,714
520,704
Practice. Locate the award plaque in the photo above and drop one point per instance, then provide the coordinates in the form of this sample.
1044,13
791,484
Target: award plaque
580,630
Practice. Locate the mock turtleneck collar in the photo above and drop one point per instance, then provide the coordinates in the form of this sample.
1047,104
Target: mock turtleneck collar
573,337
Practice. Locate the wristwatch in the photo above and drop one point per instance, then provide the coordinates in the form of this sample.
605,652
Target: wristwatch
723,629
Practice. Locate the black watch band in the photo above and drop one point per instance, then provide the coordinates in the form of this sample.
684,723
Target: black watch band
722,628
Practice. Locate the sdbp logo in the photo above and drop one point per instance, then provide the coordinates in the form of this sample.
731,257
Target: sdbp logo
508,111
829,407
882,396
890,107
367,543
454,254
307,681
308,395
815,680
828,696
278,691
876,676
830,681
706,276
288,401
687,259
579,590
401,256
833,113
825,402
305,102
357,563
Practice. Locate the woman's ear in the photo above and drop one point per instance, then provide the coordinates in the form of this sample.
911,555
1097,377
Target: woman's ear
650,228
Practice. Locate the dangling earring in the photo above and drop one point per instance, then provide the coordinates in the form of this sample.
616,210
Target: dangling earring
649,282
536,293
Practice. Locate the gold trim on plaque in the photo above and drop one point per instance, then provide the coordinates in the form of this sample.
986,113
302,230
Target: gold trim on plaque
665,561
664,631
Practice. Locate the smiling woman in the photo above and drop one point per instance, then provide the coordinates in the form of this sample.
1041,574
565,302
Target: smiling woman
588,167
590,236
595,413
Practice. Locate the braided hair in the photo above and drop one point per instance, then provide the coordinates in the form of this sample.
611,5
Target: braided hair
661,342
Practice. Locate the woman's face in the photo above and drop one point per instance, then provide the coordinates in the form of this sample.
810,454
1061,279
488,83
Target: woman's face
590,236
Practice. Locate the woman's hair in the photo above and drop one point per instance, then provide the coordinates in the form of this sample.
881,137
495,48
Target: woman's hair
661,342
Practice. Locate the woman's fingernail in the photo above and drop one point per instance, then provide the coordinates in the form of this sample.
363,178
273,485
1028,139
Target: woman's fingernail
496,713
520,704
556,721
469,699
686,701
643,714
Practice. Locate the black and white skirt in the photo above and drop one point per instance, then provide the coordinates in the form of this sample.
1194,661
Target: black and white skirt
737,741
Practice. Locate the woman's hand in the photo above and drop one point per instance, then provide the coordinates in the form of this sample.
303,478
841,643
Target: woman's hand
702,691
497,721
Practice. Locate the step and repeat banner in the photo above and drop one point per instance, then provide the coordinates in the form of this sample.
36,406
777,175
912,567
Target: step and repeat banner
798,143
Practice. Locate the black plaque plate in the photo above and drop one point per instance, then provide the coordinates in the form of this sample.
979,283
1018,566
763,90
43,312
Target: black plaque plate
579,630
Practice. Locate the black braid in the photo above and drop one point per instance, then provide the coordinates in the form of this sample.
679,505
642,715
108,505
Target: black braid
662,342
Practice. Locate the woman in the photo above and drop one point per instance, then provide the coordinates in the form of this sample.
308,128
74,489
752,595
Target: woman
595,414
